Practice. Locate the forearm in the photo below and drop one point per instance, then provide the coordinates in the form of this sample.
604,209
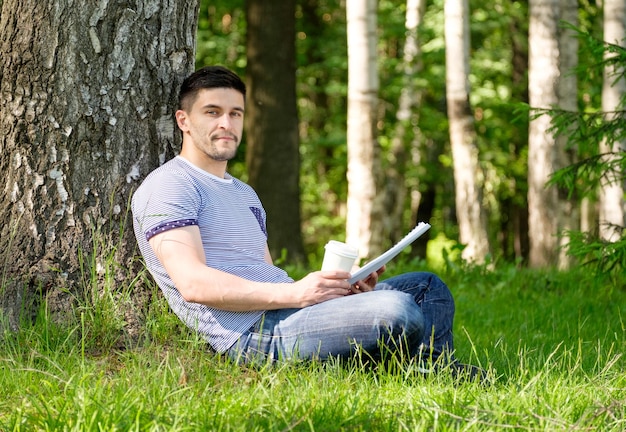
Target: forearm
181,253
224,291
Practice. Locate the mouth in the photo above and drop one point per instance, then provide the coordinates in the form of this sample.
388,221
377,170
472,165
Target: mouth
225,138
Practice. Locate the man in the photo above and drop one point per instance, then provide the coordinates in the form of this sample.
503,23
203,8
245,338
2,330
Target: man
202,234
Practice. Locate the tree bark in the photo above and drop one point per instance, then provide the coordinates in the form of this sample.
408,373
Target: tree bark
407,139
514,231
468,176
543,93
88,94
364,203
568,209
612,204
273,156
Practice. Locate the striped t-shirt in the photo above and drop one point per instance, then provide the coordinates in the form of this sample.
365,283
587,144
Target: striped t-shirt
231,220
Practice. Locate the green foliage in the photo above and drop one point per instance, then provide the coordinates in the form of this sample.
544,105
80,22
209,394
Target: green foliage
586,176
220,40
221,35
603,256
498,82
322,102
585,130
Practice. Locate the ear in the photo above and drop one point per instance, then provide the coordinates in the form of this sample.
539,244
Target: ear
182,120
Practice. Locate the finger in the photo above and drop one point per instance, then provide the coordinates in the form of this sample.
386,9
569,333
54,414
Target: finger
371,280
363,287
335,274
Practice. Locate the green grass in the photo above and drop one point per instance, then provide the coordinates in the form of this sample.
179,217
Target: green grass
552,341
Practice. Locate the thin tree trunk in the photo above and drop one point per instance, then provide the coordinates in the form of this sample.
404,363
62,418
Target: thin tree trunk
516,224
568,208
612,205
363,154
543,85
468,177
406,138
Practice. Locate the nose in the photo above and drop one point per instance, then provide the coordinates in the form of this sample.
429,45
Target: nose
225,122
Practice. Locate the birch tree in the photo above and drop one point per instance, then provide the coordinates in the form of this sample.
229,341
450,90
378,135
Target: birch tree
612,211
363,155
405,146
468,177
88,95
543,77
567,209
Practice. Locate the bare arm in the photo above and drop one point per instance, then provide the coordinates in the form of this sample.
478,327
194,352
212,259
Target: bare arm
181,253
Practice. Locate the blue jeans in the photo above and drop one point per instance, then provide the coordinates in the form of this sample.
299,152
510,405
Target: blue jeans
411,314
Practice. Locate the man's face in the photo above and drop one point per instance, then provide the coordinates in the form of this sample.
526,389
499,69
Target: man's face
213,124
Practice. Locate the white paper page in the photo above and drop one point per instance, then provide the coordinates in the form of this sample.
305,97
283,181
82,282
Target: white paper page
383,259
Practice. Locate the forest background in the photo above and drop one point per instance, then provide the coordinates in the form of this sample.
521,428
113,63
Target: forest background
521,74
414,148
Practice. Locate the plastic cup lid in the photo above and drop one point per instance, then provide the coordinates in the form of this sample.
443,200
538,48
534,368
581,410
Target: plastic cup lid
342,249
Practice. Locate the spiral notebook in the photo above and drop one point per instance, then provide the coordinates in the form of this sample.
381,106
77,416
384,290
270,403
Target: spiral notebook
390,254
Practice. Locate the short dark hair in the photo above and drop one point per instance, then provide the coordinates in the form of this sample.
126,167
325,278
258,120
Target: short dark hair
208,77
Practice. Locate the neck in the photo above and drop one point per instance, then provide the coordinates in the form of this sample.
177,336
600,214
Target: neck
202,161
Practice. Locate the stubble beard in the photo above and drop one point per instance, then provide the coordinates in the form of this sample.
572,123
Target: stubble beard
221,155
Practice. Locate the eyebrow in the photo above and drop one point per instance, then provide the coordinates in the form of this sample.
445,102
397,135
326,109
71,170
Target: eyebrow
240,109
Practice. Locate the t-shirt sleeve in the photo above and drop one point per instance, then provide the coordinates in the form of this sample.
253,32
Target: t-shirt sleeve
166,202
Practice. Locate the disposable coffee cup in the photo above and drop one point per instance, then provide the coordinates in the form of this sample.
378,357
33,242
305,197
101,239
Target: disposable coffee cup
339,256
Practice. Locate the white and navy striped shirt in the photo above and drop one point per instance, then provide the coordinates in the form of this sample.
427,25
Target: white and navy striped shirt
231,220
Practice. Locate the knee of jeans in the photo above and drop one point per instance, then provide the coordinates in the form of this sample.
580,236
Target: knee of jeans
402,315
445,291
440,290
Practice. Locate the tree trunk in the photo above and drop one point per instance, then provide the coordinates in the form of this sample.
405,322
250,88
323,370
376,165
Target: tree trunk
364,209
423,213
468,177
516,208
612,210
88,94
543,88
406,138
568,209
273,157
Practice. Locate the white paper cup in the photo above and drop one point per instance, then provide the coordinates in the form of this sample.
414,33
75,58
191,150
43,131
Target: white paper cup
339,256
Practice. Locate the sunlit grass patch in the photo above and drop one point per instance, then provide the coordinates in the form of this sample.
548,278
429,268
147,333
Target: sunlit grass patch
552,343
